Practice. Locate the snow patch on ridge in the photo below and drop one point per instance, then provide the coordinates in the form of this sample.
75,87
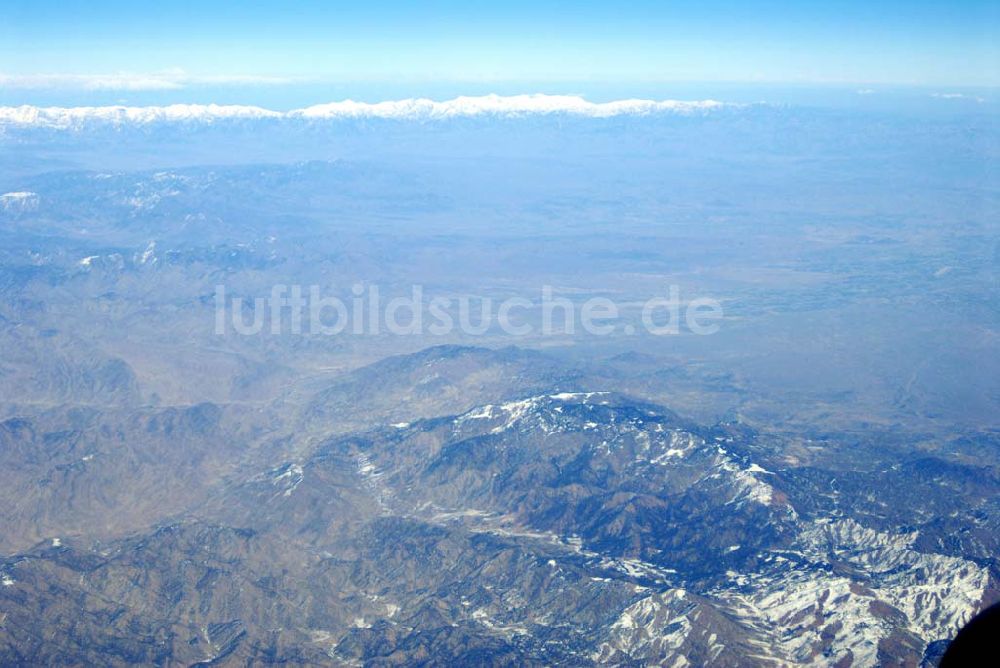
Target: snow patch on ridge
17,202
933,594
653,627
513,412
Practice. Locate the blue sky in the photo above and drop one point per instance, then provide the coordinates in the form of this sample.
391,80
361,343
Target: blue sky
181,45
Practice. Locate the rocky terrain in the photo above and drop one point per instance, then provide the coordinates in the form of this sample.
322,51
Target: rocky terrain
569,527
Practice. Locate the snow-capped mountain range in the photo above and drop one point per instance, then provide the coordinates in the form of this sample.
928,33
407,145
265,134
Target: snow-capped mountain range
408,109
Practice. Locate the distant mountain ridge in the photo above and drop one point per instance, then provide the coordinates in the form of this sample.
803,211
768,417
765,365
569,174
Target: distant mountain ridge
407,109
